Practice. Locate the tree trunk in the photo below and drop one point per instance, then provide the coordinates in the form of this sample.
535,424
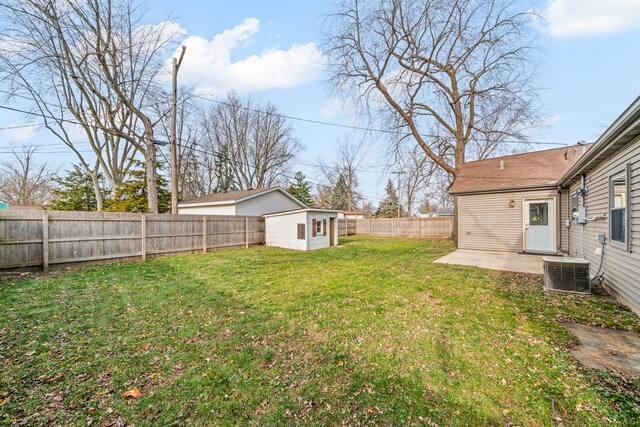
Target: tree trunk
152,178
96,190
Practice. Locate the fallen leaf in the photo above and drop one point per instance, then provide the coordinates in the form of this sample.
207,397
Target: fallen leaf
134,393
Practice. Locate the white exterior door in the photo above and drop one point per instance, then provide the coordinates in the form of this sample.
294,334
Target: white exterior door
538,225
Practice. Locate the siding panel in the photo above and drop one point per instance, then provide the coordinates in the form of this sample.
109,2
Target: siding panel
486,222
621,268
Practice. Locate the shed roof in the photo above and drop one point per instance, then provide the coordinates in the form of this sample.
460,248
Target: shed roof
231,197
542,168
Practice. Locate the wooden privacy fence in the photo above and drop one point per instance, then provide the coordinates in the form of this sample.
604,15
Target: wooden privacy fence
47,238
415,227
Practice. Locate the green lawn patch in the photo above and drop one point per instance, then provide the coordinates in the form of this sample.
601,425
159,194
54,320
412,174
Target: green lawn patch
371,332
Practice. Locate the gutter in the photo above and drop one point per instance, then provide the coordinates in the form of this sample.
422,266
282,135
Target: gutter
552,185
630,117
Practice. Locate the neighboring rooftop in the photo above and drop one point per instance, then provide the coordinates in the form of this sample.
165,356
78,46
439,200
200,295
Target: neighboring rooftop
526,170
234,196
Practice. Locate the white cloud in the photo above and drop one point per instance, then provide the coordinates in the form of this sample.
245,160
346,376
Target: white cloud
573,18
208,65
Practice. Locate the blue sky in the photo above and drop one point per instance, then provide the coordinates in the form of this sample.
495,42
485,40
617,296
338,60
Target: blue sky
590,51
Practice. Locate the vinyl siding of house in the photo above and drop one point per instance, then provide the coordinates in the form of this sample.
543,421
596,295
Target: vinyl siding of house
257,205
621,267
267,203
229,209
486,222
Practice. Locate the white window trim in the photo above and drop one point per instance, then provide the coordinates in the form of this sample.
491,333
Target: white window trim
620,173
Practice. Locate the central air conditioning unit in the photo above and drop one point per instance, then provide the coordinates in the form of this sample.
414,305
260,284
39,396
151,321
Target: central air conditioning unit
566,274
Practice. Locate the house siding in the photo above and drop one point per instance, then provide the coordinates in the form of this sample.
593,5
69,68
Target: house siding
265,204
621,268
486,222
208,210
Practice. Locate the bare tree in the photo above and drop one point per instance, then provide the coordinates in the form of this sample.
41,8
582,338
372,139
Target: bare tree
196,174
322,198
456,75
257,142
25,182
415,170
90,63
343,171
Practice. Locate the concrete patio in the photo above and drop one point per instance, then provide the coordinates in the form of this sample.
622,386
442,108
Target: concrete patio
504,261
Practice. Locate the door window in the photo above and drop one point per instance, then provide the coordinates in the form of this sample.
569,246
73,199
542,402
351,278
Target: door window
539,213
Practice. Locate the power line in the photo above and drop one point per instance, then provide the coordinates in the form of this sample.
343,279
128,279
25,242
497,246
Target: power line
20,126
286,116
339,125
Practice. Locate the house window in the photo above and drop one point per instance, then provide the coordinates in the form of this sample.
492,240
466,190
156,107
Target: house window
618,193
318,227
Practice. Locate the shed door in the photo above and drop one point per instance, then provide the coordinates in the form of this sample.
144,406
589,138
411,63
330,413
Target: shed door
538,225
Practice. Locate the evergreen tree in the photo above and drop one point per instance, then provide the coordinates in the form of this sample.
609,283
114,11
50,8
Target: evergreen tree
224,174
301,189
388,208
131,196
340,195
75,191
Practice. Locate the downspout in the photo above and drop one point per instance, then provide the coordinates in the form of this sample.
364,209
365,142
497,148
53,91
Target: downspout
559,219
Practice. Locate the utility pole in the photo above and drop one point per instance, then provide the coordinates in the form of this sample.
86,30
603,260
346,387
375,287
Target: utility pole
173,142
398,173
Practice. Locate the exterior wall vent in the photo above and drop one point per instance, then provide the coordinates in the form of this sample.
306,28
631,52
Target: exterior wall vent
566,274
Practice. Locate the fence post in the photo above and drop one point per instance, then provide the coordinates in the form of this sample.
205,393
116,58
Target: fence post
45,242
246,232
143,220
204,234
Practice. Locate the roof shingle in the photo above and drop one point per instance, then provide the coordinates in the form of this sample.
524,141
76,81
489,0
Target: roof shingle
525,170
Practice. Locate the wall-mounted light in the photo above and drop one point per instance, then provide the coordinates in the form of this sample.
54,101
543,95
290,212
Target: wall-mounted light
512,203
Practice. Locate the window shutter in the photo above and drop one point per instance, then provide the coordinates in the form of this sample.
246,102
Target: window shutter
301,231
324,227
313,227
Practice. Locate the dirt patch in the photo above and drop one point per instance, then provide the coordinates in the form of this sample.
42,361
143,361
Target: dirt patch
607,349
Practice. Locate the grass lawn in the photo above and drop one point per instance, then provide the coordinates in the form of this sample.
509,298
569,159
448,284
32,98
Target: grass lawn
368,333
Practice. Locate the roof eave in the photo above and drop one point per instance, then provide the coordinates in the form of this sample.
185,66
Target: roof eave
505,190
